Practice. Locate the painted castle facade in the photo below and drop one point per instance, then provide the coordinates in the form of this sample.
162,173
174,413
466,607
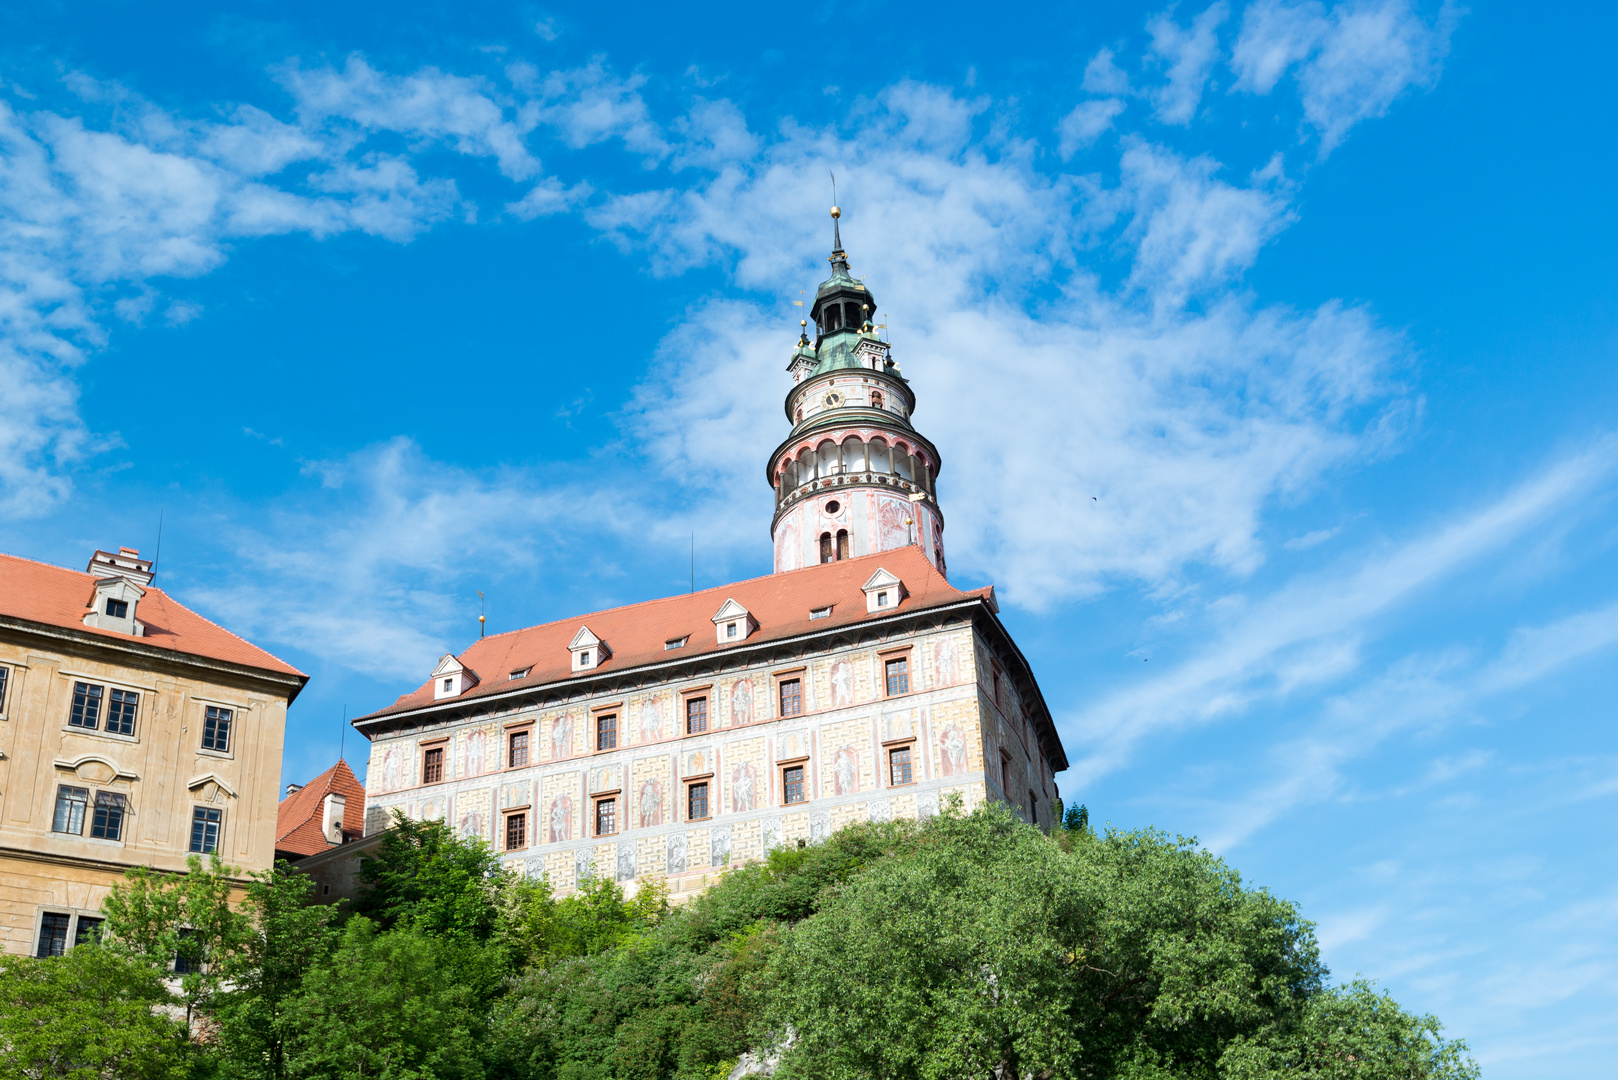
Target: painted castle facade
675,737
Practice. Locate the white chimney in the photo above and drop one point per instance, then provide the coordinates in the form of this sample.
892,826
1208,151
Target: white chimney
331,817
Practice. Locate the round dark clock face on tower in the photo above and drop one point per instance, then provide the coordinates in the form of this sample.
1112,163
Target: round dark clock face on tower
833,400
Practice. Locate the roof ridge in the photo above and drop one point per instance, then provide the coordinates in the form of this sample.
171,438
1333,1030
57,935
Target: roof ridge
671,597
165,594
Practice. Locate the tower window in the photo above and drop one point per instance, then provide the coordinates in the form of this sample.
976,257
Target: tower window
876,399
831,317
825,547
842,543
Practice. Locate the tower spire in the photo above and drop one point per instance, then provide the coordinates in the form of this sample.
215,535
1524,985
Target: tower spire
838,258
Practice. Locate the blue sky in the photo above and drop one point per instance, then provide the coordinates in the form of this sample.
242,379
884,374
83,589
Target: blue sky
1268,346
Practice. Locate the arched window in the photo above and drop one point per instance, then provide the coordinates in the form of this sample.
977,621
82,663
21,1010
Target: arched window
830,458
878,453
876,399
830,318
853,454
842,543
853,316
901,461
825,547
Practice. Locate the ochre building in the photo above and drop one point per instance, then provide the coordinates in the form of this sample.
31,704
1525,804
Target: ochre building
133,732
678,736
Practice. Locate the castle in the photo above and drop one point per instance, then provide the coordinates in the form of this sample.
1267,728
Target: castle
674,737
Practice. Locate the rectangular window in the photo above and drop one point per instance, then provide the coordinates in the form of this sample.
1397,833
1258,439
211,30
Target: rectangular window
996,674
899,766
88,932
188,957
607,732
4,673
898,676
516,831
820,613
518,756
696,715
86,706
882,599
432,766
606,817
118,609
791,697
696,801
1005,775
121,707
792,783
52,935
730,630
675,643
70,804
205,830
1033,809
216,729
108,823
520,673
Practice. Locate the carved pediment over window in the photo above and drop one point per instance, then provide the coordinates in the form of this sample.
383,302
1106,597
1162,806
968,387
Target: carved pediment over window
588,651
733,623
94,769
209,788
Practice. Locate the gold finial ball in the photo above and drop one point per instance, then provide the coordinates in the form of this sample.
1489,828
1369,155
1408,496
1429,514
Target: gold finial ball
837,211
483,618
803,322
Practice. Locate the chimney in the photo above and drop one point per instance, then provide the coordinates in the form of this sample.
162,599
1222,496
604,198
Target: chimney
293,789
126,564
331,817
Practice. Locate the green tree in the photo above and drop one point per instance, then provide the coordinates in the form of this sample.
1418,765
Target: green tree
425,876
1350,1033
91,1014
290,935
988,947
394,1005
158,918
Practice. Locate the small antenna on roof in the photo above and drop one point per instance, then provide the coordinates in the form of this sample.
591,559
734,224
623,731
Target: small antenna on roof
482,618
159,553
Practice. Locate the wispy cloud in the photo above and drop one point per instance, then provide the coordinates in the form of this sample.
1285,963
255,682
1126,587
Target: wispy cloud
1306,633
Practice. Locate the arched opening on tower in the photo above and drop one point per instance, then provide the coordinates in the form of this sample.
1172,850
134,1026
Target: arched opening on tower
842,543
826,554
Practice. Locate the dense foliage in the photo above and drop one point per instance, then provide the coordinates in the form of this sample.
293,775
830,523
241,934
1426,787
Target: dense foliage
967,946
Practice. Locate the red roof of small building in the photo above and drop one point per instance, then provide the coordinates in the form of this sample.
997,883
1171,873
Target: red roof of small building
298,818
635,634
57,596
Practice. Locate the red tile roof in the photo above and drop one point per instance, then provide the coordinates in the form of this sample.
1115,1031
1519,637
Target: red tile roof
57,596
635,634
297,819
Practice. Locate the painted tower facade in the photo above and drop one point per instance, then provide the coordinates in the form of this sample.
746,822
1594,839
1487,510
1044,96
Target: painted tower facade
853,477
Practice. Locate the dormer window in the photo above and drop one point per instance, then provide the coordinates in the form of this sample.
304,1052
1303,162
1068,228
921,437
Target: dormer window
883,592
520,673
588,651
676,643
820,612
451,678
733,623
118,609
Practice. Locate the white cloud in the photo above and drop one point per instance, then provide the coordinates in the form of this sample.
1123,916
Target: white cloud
1187,55
1352,62
1085,124
427,105
590,105
1256,655
1102,76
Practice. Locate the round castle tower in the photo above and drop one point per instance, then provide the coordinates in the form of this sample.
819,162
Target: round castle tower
853,477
